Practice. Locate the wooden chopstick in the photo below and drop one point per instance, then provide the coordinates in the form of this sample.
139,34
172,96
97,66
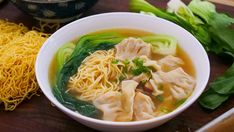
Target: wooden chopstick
224,2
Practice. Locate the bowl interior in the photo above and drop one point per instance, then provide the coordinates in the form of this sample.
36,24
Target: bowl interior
122,20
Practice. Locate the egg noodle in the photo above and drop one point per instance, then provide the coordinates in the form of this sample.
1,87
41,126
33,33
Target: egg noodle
96,76
10,31
18,51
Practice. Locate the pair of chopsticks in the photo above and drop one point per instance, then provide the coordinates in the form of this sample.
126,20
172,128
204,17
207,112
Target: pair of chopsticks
224,2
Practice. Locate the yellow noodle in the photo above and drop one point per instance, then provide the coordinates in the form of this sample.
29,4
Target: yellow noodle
96,76
18,50
10,31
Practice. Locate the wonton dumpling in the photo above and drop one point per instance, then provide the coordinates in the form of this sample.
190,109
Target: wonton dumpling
150,63
155,82
131,48
179,93
155,87
141,77
179,78
170,62
143,107
156,77
109,104
128,93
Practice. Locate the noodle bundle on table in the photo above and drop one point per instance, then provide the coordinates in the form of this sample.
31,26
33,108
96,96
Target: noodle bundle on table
18,51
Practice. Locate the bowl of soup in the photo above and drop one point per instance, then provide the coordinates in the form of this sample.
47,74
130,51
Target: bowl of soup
122,71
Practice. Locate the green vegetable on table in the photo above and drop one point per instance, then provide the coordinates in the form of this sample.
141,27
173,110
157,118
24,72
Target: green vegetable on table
213,31
219,90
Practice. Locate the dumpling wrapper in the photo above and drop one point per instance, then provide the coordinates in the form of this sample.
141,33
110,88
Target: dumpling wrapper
131,48
141,77
179,93
109,104
182,84
117,106
155,82
150,63
128,88
143,107
178,77
170,62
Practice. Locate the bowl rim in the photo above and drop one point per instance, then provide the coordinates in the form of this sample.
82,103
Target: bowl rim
175,112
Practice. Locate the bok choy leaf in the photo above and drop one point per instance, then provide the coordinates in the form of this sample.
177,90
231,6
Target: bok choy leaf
64,53
162,44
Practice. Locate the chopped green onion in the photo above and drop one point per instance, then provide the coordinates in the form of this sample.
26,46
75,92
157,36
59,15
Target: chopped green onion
126,62
140,68
160,98
115,61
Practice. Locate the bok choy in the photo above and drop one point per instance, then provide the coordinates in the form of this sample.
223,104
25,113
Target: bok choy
162,44
213,31
64,53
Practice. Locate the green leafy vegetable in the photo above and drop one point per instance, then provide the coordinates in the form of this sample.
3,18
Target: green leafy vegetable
142,5
64,53
218,26
86,45
162,44
211,100
211,28
202,8
219,90
147,13
183,12
200,32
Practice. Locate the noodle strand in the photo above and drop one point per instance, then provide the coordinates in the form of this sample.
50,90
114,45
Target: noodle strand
96,76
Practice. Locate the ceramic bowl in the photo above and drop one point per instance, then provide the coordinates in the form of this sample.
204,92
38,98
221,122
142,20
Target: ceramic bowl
187,42
55,10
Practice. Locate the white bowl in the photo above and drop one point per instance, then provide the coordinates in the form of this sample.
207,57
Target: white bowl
122,20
